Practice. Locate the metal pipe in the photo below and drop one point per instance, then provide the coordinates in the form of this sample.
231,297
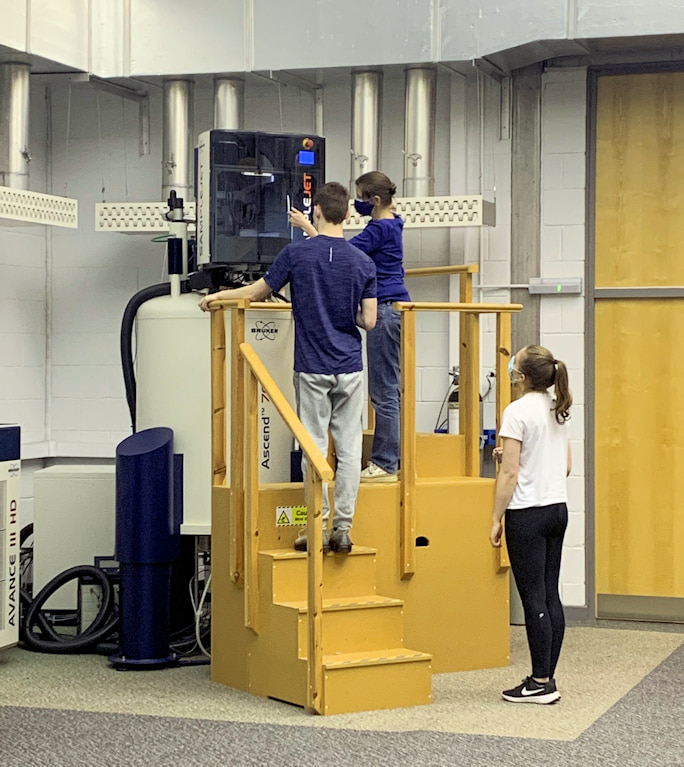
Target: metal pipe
14,124
177,158
419,132
365,138
229,103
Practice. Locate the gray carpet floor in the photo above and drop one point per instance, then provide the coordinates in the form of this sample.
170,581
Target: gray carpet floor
645,728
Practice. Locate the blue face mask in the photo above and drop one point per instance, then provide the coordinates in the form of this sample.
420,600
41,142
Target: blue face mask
511,365
363,207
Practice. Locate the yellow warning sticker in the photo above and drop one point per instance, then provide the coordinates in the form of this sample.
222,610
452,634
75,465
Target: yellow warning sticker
290,516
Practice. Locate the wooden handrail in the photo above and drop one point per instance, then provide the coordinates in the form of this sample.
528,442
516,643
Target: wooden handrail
309,447
274,306
503,398
237,444
428,271
469,425
407,526
218,399
473,308
229,303
243,303
318,470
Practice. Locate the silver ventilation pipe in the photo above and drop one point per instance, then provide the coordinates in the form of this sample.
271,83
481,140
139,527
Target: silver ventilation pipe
419,132
14,125
229,103
179,131
365,138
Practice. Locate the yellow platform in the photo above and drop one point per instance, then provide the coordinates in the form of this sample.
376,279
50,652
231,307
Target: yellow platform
383,636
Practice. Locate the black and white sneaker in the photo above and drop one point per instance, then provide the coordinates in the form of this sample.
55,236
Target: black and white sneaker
531,691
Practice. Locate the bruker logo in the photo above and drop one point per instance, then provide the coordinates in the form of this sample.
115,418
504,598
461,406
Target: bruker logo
264,330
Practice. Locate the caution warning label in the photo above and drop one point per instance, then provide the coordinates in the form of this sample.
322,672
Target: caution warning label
290,516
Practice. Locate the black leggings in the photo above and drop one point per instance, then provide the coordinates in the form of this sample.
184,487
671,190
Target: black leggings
534,538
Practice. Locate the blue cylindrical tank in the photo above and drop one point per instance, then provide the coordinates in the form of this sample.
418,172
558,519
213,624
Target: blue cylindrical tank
147,542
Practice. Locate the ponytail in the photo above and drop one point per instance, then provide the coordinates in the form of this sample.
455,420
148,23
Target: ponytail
543,371
562,392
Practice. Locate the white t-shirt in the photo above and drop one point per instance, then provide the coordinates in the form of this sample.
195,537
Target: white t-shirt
543,452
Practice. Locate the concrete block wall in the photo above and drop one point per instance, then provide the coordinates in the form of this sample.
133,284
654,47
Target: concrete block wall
69,396
491,246
23,330
23,336
95,158
564,95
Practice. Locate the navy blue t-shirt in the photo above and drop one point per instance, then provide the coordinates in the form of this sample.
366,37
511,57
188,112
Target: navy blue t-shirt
328,278
381,240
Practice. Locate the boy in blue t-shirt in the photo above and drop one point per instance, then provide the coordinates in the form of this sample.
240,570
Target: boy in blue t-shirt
333,291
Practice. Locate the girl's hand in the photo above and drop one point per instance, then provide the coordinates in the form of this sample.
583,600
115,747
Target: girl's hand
497,454
495,535
298,219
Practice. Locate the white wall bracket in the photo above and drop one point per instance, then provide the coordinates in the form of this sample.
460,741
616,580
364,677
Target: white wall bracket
22,206
417,212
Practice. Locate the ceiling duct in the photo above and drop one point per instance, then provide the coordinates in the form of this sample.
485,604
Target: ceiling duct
419,132
178,139
229,103
365,138
14,125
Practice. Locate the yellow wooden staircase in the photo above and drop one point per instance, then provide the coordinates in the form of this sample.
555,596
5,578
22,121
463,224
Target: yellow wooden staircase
421,592
366,665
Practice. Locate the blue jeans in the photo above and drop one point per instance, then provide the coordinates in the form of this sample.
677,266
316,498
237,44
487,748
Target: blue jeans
384,381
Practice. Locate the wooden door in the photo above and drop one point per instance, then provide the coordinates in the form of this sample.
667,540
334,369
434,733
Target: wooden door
639,349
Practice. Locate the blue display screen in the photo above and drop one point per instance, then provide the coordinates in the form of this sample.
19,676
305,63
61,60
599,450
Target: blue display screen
307,158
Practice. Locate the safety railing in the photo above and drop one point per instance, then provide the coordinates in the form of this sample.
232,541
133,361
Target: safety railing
469,396
465,296
244,485
247,370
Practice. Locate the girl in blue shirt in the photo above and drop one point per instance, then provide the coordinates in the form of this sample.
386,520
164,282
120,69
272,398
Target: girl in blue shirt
382,241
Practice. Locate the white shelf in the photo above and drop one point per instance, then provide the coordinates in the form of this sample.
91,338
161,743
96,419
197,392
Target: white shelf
417,212
20,205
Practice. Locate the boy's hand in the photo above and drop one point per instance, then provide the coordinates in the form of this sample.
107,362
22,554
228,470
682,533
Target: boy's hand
497,454
204,303
298,219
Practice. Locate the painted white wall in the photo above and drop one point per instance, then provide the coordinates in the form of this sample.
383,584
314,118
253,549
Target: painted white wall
564,98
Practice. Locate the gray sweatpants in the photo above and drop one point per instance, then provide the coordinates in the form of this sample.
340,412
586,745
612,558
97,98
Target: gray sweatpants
335,403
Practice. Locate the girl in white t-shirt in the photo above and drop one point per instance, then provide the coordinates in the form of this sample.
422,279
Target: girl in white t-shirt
531,492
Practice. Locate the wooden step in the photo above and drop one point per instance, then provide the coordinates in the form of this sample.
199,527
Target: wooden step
344,575
353,624
368,681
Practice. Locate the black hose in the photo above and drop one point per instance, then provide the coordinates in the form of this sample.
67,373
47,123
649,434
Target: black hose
53,642
153,291
26,533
